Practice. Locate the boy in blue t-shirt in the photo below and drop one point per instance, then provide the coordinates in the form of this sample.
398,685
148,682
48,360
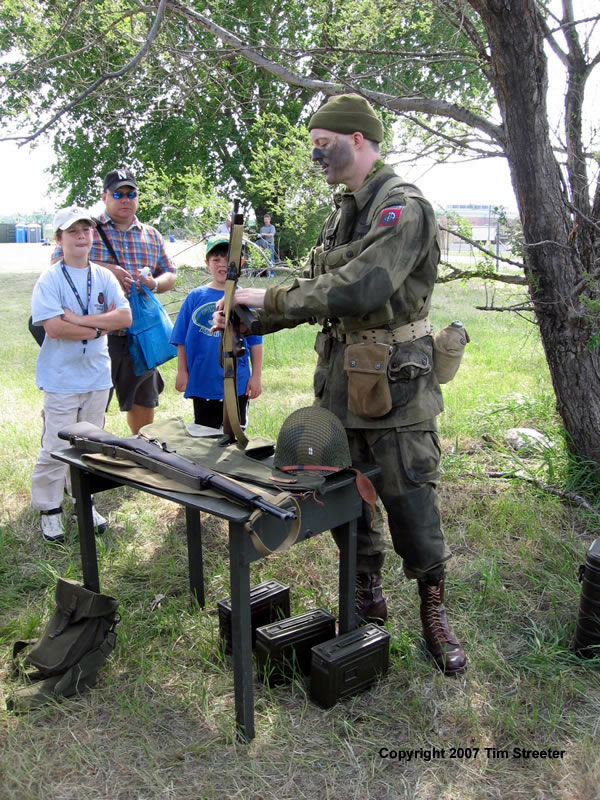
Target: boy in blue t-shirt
199,373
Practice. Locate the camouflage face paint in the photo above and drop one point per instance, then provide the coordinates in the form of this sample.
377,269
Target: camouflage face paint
336,160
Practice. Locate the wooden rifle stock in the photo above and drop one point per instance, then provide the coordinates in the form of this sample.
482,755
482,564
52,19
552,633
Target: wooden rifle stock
232,344
157,457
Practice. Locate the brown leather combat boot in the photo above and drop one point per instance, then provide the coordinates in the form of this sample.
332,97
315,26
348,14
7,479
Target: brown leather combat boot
442,644
370,602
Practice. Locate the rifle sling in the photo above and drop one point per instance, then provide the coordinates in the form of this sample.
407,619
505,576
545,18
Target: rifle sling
231,413
294,527
144,460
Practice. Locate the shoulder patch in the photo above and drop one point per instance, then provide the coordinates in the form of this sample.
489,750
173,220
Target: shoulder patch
390,216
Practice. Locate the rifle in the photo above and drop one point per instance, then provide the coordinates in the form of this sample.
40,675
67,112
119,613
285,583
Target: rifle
232,346
153,455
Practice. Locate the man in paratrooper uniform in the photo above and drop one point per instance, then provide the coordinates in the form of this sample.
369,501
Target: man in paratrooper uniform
368,282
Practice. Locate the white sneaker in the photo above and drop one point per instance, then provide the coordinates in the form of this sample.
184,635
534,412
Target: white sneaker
52,527
100,522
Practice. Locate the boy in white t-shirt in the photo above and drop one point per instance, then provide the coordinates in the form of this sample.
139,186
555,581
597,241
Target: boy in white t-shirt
77,303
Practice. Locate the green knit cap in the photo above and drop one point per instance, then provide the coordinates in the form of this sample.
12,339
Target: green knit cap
347,113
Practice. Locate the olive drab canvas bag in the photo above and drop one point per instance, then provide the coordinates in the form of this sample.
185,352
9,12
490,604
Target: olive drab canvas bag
76,642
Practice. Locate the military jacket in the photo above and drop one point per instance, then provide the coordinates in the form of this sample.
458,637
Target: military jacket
373,267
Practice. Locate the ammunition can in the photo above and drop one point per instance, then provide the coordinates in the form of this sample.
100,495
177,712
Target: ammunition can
285,646
269,601
587,633
349,664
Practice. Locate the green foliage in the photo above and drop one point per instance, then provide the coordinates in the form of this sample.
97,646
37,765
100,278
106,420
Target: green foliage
591,305
187,203
193,106
281,172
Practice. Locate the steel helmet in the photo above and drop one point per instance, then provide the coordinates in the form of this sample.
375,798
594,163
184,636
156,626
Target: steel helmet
312,438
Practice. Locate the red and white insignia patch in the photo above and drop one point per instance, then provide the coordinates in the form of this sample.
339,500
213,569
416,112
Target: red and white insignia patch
390,216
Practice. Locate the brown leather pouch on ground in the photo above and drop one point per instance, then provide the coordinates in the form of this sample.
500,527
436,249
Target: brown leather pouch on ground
368,389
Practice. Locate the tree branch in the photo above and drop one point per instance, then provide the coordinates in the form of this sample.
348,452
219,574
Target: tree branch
418,104
571,497
458,274
483,249
41,62
160,13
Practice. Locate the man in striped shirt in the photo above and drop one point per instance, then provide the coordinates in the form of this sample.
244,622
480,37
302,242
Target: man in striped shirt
135,246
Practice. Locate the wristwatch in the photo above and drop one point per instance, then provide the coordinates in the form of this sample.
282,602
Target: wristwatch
155,287
98,333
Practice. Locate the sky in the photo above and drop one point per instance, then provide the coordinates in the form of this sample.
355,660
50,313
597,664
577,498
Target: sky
24,179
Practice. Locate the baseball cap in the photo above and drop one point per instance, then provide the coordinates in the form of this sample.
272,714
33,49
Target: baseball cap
215,241
117,178
65,217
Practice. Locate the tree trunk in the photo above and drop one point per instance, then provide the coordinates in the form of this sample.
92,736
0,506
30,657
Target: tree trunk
558,256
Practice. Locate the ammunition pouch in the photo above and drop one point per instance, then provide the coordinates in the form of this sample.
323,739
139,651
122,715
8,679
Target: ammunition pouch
366,366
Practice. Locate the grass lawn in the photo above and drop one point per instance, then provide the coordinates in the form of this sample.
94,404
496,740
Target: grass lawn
159,725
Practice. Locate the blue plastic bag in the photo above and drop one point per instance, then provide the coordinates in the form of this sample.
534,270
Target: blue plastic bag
149,332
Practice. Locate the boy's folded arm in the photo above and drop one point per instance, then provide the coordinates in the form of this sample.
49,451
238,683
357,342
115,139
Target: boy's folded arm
59,328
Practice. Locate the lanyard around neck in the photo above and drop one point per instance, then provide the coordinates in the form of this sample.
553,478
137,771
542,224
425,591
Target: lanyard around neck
84,308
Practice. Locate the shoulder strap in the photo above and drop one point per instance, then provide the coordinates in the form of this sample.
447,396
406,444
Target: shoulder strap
384,188
106,240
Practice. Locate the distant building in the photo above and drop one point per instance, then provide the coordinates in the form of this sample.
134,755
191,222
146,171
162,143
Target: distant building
486,226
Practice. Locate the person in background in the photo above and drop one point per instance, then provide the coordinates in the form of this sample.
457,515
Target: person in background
199,374
138,256
77,302
225,227
266,239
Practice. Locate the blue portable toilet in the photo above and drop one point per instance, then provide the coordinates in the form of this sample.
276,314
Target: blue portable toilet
20,233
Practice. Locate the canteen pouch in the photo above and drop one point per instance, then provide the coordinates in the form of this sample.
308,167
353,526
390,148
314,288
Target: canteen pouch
448,349
366,365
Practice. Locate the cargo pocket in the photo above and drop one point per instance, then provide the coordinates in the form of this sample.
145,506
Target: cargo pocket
366,366
420,454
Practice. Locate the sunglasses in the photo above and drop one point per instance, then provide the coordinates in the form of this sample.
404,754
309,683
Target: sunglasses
119,195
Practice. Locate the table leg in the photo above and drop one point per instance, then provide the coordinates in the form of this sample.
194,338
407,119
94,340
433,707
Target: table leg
241,633
194,543
347,585
81,488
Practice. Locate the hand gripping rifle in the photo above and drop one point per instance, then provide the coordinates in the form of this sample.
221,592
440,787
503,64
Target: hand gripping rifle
157,457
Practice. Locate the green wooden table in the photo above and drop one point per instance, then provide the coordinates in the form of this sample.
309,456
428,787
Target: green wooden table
338,504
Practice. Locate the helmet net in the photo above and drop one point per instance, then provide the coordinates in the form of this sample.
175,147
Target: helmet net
312,436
